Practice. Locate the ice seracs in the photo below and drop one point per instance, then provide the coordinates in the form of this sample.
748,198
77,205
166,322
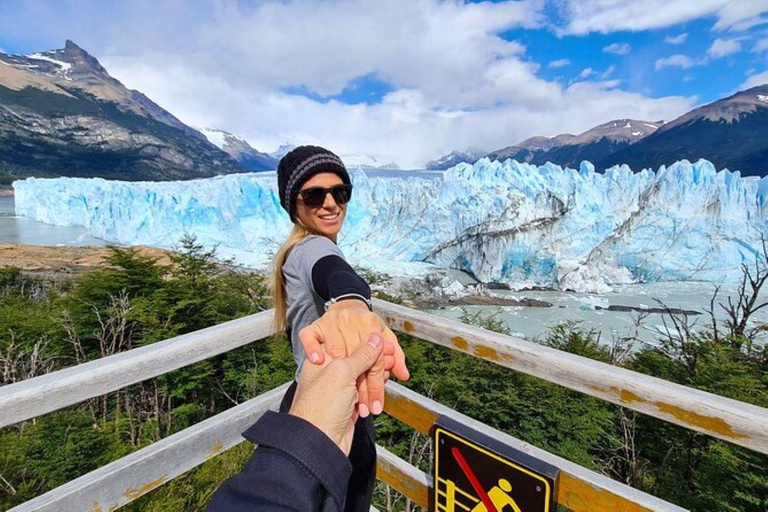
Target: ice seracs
500,221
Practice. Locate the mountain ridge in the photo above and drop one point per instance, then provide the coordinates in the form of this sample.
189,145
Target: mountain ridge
731,133
62,114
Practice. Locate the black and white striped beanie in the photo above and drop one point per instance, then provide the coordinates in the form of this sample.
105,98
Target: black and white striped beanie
300,164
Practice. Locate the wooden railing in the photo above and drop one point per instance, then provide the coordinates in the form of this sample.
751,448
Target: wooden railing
130,477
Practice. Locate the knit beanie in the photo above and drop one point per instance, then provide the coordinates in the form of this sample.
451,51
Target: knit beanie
300,164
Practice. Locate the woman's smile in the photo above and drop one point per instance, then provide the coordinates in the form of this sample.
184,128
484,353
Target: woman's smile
327,218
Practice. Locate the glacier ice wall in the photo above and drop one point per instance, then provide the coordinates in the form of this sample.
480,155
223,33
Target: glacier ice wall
501,221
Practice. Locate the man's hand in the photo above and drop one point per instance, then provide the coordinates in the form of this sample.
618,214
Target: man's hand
326,393
342,329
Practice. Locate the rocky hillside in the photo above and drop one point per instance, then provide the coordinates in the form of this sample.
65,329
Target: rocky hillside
62,114
732,133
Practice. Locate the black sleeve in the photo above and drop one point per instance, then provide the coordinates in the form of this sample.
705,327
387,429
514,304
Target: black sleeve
295,467
333,277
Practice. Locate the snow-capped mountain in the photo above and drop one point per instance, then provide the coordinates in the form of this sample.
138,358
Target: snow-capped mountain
732,133
239,149
570,150
61,113
281,151
504,222
468,156
530,149
362,161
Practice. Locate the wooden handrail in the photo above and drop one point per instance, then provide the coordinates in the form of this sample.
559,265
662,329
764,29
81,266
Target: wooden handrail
724,418
40,395
579,489
126,479
409,481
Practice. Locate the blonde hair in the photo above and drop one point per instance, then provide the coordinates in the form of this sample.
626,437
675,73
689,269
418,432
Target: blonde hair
299,233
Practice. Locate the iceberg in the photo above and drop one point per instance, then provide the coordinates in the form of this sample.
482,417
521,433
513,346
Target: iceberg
504,222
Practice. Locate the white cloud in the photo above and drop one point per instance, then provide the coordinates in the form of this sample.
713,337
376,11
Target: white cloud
675,61
608,72
739,15
586,73
755,80
617,48
722,47
606,16
560,63
760,46
407,127
679,39
455,82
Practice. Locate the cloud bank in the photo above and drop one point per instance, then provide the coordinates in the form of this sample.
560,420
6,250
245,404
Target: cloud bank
276,72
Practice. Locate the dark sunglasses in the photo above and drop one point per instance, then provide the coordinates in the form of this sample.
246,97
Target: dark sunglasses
315,196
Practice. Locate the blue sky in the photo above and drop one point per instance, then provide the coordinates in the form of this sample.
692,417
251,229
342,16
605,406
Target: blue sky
409,80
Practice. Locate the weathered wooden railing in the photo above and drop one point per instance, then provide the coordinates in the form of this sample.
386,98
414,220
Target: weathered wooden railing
130,477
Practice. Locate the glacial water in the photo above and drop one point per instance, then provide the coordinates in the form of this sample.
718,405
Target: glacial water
589,311
20,230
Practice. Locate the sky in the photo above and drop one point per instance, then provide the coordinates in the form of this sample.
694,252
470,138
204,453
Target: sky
407,81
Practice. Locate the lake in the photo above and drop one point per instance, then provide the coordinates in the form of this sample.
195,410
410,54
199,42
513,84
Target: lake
18,230
531,322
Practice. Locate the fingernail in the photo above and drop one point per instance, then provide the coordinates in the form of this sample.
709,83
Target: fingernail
374,340
377,407
363,411
314,357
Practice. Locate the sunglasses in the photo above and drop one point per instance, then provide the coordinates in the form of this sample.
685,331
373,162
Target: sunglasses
315,196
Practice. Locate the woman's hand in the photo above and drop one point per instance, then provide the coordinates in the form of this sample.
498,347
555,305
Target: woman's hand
326,393
341,329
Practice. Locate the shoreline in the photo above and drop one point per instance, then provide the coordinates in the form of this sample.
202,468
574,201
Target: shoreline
53,262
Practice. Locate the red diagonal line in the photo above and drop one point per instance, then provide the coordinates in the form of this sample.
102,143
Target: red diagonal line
489,506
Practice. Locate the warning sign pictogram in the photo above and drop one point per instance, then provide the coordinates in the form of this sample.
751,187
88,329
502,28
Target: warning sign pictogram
473,472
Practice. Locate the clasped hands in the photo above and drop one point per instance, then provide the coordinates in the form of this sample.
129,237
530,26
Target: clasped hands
339,332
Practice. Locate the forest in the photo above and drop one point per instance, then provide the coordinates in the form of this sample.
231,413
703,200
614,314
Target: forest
133,300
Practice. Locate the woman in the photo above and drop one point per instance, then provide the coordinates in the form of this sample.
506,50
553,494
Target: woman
320,300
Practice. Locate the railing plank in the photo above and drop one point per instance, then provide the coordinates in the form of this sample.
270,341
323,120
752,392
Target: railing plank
579,489
410,481
41,395
730,420
120,482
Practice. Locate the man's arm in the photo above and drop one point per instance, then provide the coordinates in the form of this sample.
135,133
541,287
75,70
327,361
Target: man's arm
295,467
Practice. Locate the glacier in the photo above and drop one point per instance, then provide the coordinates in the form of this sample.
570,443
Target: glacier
502,222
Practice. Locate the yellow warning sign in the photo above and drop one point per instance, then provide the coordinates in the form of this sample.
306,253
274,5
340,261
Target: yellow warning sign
471,477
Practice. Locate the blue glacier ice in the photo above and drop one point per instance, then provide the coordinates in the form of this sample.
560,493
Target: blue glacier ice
500,221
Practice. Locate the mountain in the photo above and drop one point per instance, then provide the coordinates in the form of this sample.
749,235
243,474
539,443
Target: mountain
239,149
363,161
62,114
732,133
470,156
569,150
281,151
531,149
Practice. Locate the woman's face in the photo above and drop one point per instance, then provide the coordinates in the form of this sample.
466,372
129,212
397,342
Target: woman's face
326,219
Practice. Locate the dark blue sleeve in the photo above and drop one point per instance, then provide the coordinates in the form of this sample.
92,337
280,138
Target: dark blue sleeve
295,467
